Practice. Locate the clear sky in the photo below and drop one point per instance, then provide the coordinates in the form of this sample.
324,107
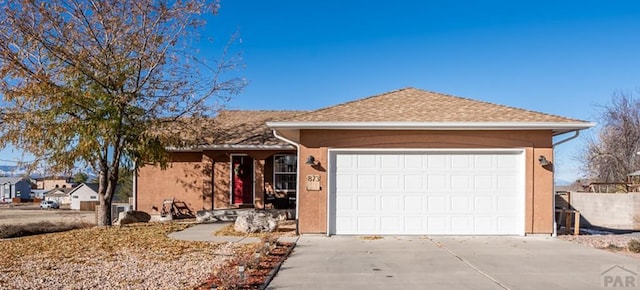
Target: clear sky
558,57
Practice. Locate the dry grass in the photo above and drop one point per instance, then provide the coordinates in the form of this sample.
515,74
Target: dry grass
112,258
148,239
22,230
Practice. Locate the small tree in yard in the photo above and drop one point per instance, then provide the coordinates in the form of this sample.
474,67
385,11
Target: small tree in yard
611,155
93,81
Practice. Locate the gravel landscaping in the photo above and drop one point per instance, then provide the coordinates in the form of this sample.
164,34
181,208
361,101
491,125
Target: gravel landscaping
611,242
132,257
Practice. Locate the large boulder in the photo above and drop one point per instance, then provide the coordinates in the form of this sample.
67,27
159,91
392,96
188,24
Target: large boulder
130,217
255,222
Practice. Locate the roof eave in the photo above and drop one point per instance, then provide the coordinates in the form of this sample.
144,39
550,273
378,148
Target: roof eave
556,127
201,148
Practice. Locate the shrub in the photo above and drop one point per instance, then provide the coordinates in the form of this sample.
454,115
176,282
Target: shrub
634,246
21,230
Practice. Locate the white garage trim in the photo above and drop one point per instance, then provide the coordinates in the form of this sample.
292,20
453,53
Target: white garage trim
518,190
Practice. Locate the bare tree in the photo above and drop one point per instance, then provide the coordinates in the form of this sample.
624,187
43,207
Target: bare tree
91,81
611,154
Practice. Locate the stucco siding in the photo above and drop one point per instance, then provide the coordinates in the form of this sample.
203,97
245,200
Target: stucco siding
538,181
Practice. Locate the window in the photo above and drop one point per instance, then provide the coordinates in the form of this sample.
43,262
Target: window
284,173
75,196
94,197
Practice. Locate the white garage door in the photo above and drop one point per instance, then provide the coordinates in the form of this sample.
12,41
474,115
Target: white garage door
431,192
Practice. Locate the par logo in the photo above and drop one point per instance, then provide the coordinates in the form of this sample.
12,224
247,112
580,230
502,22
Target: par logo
619,276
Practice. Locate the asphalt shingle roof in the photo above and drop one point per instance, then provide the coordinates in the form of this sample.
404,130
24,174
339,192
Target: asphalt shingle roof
232,127
415,105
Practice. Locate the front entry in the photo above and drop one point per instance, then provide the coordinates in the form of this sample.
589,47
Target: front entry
241,179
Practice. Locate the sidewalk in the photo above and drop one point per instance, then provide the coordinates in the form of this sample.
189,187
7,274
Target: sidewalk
204,233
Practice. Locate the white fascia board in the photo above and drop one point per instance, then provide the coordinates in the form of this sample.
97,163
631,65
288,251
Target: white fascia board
230,147
558,126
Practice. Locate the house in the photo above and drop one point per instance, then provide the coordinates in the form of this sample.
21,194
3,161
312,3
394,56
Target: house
239,163
14,187
404,162
59,195
52,182
83,192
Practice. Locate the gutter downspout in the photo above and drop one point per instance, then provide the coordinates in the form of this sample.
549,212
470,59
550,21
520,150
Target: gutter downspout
553,148
275,134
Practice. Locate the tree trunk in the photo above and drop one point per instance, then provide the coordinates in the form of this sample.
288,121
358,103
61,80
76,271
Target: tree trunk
104,211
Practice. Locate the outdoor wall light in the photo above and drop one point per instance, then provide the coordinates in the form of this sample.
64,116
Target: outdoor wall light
311,160
543,160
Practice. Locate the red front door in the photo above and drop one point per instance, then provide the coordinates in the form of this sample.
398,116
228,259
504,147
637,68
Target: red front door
242,179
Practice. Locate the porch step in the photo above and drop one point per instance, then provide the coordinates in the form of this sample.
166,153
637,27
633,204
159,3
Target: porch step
230,215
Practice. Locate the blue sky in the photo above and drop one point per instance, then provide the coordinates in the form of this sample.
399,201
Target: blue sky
558,57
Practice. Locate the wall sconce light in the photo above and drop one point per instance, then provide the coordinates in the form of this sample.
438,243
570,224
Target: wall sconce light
311,160
543,160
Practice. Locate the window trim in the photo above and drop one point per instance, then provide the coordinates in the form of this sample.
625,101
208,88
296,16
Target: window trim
294,173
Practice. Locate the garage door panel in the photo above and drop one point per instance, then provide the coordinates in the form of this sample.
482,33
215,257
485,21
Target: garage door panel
367,162
460,204
507,162
392,224
483,182
367,203
344,181
414,162
427,193
414,224
484,204
460,224
414,204
392,203
437,225
484,224
366,182
506,181
392,162
460,182
345,203
437,204
413,182
484,161
459,161
436,182
437,162
367,224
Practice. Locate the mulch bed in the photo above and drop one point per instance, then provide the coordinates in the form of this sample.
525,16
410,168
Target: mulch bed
257,275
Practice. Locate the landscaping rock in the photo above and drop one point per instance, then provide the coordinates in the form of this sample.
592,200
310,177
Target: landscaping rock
255,222
134,216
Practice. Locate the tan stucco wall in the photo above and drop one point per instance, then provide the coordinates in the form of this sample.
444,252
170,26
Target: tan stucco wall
538,180
184,179
196,178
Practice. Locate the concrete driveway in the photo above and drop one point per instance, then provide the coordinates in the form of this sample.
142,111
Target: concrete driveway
320,262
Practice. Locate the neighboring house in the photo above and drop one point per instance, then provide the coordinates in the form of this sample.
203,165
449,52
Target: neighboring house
238,164
38,193
52,182
14,187
59,195
83,192
405,162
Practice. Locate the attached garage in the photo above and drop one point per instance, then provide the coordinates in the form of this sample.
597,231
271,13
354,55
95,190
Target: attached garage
465,192
413,162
